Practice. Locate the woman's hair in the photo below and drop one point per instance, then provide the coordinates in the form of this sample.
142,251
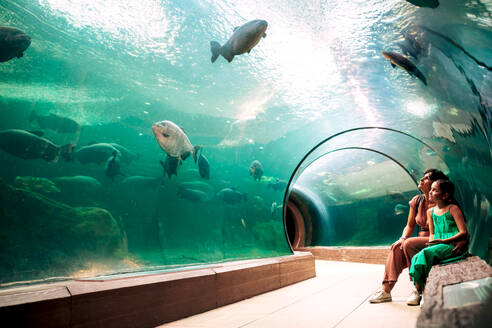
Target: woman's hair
436,174
447,187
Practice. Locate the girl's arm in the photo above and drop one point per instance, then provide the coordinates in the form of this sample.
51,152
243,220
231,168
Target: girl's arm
430,223
458,217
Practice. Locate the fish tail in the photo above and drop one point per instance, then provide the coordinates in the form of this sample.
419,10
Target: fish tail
66,152
195,152
215,48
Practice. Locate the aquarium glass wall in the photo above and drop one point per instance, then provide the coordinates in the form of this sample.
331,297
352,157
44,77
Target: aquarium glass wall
155,135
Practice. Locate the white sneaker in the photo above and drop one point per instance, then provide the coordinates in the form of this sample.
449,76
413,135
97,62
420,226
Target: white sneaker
380,296
414,298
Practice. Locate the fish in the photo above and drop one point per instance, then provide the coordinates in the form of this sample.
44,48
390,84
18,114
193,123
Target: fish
198,185
401,61
256,170
77,183
193,195
55,123
13,43
138,181
126,155
425,3
277,184
170,166
112,168
174,141
203,167
97,153
400,209
244,38
27,145
36,184
231,195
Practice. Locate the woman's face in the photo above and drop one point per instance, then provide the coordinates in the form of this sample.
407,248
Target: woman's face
435,192
425,183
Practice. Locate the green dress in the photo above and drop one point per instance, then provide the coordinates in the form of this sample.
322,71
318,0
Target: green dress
444,227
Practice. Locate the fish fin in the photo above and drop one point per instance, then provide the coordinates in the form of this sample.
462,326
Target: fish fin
264,35
230,58
36,132
215,49
66,152
195,151
162,163
235,29
184,156
393,65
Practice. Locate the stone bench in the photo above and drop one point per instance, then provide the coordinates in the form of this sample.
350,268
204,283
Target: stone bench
456,293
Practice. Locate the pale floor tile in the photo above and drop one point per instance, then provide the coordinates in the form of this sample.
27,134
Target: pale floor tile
337,297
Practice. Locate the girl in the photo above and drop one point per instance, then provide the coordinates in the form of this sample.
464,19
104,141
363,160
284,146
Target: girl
447,226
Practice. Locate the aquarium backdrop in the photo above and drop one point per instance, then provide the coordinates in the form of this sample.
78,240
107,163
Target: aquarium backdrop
314,109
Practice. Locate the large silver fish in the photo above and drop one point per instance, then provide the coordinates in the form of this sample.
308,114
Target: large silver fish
13,43
242,40
174,141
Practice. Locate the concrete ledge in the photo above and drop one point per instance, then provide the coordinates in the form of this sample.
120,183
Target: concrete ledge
371,255
152,299
433,312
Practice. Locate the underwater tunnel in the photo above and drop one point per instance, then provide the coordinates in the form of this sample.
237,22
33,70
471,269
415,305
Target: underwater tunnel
310,138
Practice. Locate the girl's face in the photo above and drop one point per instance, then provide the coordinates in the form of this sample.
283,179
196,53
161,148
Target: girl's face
435,193
425,183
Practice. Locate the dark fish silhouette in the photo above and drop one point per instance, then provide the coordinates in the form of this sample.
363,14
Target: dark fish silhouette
256,170
170,166
193,195
13,43
242,40
231,195
203,167
277,184
425,3
55,122
27,145
112,168
401,61
126,155
97,153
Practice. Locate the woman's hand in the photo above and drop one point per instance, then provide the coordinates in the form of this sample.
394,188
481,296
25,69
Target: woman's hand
434,242
397,243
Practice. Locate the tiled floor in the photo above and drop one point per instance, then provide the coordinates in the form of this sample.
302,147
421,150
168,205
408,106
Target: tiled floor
337,297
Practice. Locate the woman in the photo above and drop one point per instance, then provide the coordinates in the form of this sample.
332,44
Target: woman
446,226
402,251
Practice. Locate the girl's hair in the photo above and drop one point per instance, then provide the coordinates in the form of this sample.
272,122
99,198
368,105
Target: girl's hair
447,187
436,175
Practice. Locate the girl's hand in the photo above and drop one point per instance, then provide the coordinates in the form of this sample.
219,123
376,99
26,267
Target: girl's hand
434,242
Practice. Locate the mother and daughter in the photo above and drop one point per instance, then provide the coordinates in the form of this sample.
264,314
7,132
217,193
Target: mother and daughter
443,237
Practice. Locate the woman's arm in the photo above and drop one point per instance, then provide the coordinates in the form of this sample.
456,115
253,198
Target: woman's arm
408,230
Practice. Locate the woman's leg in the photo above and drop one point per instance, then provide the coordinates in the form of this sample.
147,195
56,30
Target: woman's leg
395,263
412,246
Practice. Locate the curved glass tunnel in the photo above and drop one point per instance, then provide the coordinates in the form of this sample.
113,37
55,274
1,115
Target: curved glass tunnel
314,102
